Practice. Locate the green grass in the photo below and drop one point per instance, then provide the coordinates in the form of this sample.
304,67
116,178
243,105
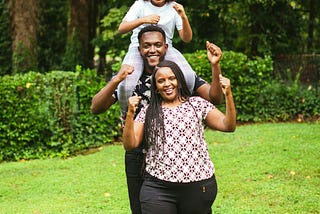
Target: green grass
261,168
269,168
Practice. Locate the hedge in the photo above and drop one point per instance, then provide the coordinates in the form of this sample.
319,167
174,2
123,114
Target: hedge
48,115
259,95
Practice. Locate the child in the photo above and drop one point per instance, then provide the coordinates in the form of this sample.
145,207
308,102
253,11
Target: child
168,15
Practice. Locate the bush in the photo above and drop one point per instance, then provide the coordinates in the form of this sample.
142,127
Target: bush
280,101
20,123
258,95
49,115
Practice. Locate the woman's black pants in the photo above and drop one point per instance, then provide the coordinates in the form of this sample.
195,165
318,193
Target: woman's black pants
161,197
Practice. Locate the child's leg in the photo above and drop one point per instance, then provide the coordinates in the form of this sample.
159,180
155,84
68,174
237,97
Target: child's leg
174,55
127,86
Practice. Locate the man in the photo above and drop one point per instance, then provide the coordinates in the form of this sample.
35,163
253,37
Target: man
152,48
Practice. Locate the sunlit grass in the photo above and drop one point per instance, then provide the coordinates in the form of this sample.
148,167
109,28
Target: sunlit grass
262,168
269,168
84,184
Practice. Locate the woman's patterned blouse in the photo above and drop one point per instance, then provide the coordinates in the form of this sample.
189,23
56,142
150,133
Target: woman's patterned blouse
184,156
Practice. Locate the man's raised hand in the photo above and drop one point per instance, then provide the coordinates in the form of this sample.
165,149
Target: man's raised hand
214,53
125,70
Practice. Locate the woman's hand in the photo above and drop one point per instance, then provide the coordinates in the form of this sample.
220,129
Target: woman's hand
133,103
225,85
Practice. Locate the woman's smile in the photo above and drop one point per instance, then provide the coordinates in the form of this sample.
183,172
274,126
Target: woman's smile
167,85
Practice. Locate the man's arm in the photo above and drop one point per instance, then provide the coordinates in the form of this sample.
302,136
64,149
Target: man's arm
213,92
104,99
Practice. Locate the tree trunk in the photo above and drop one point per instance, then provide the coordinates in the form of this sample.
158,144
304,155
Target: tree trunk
78,31
24,24
254,30
93,24
311,24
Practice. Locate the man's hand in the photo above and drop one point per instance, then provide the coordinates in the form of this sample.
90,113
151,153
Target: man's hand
214,53
124,71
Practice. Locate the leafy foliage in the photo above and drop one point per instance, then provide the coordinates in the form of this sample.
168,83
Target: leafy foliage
49,115
255,27
73,55
259,96
52,34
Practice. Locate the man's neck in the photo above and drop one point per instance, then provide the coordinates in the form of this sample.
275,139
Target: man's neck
148,70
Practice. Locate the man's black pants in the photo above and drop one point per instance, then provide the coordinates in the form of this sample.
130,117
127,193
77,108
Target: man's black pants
133,166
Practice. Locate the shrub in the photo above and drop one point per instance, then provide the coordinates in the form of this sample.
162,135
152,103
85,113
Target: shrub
258,95
49,115
21,121
280,101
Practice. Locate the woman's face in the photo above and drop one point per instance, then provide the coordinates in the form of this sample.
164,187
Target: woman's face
167,84
158,3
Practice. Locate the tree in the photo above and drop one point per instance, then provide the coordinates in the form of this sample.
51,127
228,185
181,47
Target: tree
24,24
81,31
52,34
5,40
273,28
78,35
55,34
313,24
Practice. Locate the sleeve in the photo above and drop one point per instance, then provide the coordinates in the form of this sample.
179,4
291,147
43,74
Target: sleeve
198,82
115,95
202,106
206,108
178,22
133,12
177,18
141,115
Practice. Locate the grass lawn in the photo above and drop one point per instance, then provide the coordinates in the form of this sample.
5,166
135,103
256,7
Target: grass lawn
260,168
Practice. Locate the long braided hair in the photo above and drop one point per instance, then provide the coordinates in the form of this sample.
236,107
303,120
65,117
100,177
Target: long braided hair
154,122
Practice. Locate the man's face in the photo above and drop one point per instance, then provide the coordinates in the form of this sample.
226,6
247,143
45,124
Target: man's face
152,49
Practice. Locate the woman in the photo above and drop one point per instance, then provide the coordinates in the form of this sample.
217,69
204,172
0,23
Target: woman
179,175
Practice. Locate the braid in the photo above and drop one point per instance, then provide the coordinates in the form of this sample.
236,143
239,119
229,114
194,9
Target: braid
154,123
